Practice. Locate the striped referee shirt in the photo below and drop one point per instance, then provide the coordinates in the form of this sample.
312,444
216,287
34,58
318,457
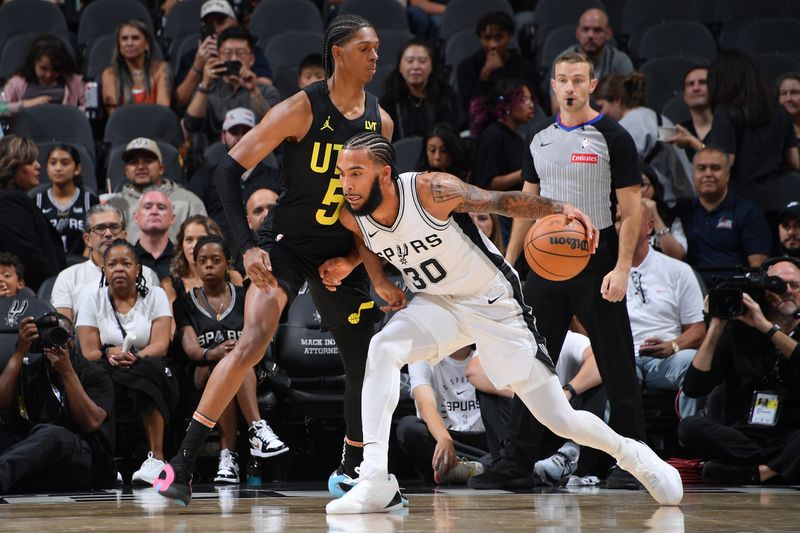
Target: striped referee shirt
582,164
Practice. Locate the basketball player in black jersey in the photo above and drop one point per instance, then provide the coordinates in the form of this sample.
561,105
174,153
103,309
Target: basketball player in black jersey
301,239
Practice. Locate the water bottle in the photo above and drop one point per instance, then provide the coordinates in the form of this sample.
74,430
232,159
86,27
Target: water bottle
253,475
92,96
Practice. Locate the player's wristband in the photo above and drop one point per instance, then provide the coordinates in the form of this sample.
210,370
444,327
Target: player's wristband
571,390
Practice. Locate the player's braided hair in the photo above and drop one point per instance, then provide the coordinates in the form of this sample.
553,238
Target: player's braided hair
378,146
338,32
141,285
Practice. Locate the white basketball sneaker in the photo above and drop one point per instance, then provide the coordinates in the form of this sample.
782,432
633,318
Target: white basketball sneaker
661,479
371,493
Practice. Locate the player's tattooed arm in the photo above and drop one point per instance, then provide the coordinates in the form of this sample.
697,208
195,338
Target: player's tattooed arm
466,198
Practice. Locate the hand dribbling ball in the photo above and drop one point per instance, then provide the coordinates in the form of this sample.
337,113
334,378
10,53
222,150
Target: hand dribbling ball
557,248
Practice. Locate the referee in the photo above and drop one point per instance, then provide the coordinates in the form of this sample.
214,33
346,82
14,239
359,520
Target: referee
588,160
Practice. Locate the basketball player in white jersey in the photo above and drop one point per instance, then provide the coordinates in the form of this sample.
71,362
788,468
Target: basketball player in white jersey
465,293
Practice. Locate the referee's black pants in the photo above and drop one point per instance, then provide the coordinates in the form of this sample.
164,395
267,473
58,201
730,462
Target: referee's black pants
609,330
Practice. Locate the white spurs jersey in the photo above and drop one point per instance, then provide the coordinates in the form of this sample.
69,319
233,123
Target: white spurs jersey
446,257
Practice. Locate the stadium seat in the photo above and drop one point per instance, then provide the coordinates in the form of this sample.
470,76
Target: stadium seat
285,80
664,78
88,172
289,49
556,42
383,14
641,14
407,151
391,42
15,50
98,56
55,122
676,38
183,19
19,18
46,288
12,310
676,110
102,18
143,120
770,35
461,15
378,84
551,14
116,167
273,17
457,48
772,66
180,46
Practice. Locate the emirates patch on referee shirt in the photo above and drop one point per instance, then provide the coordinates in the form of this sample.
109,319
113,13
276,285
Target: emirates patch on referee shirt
584,158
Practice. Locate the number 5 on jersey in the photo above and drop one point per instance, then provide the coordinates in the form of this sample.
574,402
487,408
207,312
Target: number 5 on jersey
333,202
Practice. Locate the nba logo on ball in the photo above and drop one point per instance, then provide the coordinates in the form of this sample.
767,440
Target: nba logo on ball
557,248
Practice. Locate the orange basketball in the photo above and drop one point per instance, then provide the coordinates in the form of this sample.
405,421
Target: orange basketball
557,248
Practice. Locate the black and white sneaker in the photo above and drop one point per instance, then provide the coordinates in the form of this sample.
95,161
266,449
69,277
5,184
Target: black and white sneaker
263,441
228,470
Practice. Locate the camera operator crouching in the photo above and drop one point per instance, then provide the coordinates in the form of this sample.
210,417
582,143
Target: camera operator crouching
57,411
757,357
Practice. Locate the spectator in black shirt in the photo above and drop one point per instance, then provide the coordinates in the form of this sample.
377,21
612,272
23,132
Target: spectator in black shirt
154,216
691,134
444,151
757,358
24,230
416,97
789,98
753,129
494,61
63,438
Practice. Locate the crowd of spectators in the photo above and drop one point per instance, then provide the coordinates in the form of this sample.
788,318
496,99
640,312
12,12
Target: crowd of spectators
147,273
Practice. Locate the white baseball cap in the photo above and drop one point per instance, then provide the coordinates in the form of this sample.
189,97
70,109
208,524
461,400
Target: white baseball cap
142,144
217,6
239,116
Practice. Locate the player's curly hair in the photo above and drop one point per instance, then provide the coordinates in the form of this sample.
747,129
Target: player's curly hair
378,146
338,32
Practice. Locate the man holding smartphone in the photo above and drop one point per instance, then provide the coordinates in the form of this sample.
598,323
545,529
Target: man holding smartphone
228,82
216,16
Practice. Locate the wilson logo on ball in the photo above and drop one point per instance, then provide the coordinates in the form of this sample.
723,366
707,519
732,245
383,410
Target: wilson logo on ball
575,244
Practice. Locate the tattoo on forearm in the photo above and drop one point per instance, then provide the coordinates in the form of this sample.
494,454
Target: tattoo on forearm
507,203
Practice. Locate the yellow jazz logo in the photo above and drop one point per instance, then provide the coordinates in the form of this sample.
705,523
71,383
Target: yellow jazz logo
355,318
370,125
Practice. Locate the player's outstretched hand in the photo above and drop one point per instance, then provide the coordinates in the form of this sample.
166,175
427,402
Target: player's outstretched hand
258,268
334,270
592,232
393,295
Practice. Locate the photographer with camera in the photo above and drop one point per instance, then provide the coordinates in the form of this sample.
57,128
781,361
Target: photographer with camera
751,347
57,413
228,82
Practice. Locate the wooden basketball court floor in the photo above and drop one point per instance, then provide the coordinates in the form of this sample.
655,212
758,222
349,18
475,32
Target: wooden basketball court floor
441,510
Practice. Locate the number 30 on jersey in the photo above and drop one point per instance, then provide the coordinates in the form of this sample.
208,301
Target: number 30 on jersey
333,200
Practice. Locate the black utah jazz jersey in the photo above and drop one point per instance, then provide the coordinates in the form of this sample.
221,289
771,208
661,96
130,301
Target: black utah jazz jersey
307,213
